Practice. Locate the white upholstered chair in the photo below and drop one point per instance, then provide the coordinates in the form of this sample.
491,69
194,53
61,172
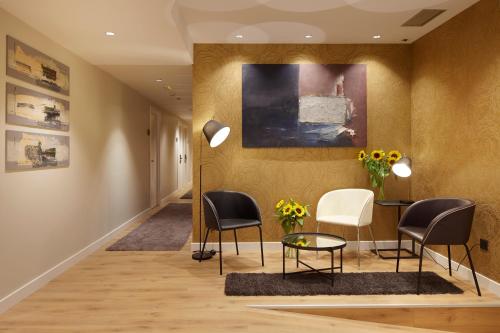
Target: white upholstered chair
350,207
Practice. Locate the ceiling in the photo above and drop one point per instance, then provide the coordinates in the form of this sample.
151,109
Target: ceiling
153,38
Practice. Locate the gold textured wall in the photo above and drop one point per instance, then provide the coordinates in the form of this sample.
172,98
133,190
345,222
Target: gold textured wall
269,174
456,122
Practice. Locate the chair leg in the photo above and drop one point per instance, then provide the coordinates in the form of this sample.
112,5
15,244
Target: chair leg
420,267
261,246
399,252
359,260
236,242
473,270
220,252
204,243
373,239
449,259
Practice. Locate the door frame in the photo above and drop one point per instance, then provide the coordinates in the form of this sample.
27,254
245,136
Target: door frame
154,159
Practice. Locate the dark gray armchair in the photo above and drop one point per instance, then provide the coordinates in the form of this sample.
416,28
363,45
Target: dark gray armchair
440,221
229,210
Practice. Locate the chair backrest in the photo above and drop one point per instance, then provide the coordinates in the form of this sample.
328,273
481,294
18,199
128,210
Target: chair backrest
220,205
355,202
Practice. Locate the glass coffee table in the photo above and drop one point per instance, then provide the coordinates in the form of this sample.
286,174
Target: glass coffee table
313,241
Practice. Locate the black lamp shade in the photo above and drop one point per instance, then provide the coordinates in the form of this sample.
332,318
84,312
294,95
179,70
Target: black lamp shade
402,168
215,132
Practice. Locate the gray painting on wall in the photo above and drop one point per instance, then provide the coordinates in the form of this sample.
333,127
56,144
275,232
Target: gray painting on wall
26,107
306,105
31,151
32,66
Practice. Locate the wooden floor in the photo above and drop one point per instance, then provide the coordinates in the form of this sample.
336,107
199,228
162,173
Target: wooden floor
167,291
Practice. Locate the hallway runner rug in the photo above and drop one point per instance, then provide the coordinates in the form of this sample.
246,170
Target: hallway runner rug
366,283
167,230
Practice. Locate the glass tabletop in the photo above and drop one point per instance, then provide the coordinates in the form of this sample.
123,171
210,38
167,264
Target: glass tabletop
313,241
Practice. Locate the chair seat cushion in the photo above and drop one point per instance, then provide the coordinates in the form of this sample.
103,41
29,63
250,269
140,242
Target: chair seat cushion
340,219
238,223
414,232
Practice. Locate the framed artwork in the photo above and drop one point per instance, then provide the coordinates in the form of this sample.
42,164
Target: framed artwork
304,105
32,66
26,107
32,151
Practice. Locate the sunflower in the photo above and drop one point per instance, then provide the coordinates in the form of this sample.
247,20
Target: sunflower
395,154
299,210
287,209
280,204
377,154
392,160
361,155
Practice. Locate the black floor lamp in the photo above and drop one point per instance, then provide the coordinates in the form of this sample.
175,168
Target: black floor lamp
215,133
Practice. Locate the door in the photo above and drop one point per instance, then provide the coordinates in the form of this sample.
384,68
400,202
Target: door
183,158
154,118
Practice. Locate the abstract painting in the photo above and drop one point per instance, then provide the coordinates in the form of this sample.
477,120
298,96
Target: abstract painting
306,105
30,65
31,151
26,107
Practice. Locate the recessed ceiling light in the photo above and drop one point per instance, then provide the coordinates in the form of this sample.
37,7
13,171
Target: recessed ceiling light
308,36
238,36
159,80
377,37
110,33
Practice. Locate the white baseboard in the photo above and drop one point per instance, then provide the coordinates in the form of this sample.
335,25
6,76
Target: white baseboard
29,288
463,272
175,194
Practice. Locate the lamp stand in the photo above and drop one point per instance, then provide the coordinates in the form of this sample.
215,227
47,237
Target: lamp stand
197,255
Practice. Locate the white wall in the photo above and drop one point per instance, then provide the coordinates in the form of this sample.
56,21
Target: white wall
48,215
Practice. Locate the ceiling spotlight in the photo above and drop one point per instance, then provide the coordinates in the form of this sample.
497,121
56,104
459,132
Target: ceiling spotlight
158,80
238,36
377,37
308,36
110,33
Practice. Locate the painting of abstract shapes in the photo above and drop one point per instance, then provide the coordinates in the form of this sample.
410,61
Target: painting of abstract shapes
306,105
31,151
26,107
30,65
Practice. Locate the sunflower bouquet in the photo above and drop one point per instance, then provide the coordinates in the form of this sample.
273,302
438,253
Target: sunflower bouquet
290,214
379,166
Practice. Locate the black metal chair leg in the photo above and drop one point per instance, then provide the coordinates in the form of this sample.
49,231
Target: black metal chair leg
449,259
473,270
220,252
420,267
236,241
204,242
261,246
399,251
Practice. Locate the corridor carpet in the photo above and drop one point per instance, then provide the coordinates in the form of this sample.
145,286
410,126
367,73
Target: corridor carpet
366,283
188,195
167,230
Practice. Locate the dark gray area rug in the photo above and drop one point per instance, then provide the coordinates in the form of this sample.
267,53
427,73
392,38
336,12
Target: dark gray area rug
167,230
188,195
366,283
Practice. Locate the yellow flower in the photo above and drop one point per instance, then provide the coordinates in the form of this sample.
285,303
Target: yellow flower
280,203
377,155
299,210
287,209
395,154
392,160
361,155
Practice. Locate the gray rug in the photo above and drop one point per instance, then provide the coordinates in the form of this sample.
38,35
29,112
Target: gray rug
366,283
167,230
188,195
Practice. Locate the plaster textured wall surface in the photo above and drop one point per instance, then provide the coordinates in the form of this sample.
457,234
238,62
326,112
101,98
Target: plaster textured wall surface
456,122
269,174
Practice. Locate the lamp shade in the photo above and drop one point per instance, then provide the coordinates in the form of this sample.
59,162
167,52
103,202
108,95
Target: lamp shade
402,168
215,132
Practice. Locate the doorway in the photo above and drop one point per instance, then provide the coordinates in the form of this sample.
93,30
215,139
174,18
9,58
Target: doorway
183,157
154,123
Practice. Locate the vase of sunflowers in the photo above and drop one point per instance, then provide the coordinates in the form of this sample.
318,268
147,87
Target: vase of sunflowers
379,166
291,215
